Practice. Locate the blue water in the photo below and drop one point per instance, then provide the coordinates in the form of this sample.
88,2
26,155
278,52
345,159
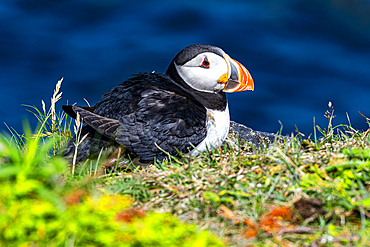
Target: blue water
302,54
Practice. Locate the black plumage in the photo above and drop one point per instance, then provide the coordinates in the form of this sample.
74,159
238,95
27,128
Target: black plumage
151,113
147,110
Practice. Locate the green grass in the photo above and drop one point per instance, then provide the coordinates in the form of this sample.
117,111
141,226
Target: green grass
244,198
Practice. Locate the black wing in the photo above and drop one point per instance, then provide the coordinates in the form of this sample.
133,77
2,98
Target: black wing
145,113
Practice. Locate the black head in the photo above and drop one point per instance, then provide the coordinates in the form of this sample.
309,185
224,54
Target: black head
209,69
192,51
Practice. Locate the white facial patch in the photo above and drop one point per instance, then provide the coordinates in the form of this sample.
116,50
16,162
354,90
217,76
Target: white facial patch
201,78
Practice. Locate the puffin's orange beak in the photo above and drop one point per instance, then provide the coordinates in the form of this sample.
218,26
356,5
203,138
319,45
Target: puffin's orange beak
237,78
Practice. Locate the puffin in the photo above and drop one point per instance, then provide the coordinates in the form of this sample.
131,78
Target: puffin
152,115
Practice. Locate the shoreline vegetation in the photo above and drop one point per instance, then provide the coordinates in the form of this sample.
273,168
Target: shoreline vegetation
296,191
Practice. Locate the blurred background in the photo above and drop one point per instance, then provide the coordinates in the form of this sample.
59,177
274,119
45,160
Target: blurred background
302,54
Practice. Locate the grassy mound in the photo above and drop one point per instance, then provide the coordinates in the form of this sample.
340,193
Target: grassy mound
38,208
300,192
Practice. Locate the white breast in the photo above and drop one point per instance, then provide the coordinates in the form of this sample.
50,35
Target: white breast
218,123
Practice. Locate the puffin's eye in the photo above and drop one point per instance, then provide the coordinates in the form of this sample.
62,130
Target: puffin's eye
205,63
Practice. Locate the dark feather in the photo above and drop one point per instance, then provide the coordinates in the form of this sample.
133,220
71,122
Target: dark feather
105,126
145,110
68,109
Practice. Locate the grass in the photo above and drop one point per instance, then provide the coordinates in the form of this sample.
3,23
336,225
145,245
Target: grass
304,191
